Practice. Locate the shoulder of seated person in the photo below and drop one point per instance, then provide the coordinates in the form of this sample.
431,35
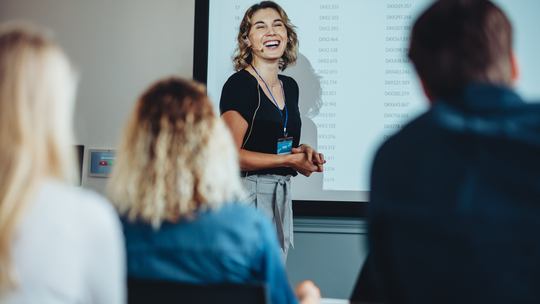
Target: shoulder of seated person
246,214
62,193
239,209
61,205
81,203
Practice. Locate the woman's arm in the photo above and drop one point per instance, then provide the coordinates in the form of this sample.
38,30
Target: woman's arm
250,161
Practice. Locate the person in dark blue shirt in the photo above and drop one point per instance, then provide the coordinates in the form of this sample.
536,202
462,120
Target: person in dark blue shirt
175,184
454,215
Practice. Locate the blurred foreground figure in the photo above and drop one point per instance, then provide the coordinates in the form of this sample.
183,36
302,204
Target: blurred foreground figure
176,185
455,200
58,244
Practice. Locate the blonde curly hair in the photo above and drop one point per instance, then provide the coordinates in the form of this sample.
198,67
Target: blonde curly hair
176,156
243,51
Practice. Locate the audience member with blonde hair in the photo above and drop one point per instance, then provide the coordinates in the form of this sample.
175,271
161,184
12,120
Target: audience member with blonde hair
58,244
175,184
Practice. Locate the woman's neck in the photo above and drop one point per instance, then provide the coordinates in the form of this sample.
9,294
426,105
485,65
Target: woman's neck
268,70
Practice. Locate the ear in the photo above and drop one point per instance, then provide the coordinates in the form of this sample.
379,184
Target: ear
427,92
515,67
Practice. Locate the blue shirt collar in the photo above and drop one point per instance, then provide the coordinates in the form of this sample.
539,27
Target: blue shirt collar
482,96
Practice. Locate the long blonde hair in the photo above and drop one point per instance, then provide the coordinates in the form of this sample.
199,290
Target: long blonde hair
244,56
176,156
36,102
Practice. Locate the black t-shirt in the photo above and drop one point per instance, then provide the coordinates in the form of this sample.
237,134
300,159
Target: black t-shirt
240,94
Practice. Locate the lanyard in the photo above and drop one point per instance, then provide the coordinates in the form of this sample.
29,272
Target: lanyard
284,105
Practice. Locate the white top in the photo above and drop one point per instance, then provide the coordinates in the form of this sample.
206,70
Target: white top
68,248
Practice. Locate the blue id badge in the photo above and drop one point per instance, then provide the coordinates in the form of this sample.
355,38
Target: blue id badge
284,146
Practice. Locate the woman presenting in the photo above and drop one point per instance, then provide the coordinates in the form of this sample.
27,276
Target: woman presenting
261,109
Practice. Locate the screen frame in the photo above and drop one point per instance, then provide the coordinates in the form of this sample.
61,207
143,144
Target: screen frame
352,209
79,152
89,169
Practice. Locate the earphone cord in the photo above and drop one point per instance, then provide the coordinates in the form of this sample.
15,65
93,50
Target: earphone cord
251,128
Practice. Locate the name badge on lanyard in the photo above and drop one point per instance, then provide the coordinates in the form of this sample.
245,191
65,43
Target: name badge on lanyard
284,146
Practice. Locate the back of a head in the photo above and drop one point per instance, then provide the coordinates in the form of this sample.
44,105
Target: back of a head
36,101
457,42
176,156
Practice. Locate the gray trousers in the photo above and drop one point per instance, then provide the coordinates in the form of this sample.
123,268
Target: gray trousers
272,195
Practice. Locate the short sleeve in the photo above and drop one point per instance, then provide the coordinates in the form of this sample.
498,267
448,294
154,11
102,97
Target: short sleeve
239,94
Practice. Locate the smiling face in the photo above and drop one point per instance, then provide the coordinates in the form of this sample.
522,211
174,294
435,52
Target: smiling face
268,35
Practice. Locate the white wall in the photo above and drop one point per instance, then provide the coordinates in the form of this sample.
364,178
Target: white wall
119,47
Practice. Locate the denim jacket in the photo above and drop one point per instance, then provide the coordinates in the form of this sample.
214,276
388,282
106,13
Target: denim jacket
234,244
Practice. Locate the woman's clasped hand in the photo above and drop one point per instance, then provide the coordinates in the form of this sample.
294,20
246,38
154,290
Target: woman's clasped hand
306,160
